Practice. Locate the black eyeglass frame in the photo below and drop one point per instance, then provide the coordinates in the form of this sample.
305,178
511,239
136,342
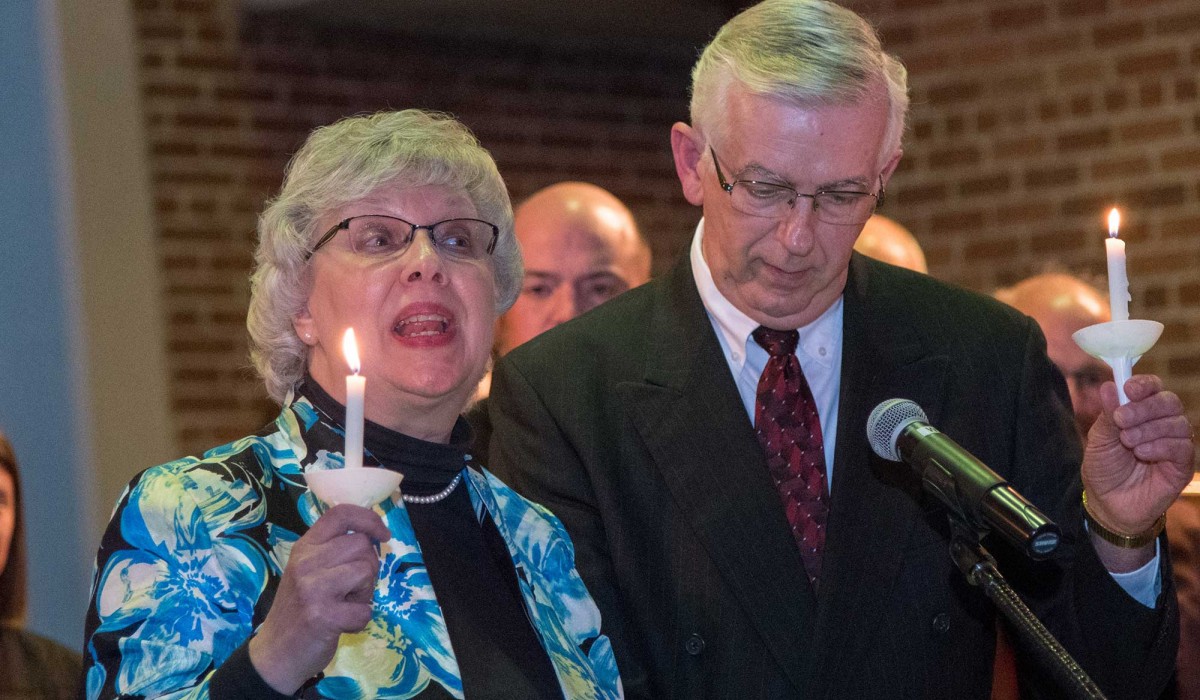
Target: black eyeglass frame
728,187
412,232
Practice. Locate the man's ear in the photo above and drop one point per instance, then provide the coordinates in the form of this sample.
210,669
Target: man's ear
890,167
687,146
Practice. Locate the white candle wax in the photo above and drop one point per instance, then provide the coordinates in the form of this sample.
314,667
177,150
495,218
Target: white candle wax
1118,281
356,389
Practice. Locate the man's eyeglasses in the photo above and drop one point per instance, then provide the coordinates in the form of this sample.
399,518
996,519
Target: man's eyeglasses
379,236
775,201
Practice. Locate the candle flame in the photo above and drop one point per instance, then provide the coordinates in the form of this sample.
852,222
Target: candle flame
350,350
1114,222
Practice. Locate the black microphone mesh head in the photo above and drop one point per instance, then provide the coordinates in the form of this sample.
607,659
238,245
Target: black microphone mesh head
886,422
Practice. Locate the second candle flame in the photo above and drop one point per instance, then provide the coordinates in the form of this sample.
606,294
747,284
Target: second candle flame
350,350
1114,222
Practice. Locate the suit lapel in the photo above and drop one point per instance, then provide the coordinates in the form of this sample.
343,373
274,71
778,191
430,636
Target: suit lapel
874,501
693,423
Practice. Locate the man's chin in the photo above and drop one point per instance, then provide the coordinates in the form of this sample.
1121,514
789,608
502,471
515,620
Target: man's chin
793,307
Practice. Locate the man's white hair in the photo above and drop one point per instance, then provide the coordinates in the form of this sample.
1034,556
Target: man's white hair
808,52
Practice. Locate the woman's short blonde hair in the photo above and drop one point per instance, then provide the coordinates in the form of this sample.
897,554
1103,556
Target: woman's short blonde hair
809,52
342,163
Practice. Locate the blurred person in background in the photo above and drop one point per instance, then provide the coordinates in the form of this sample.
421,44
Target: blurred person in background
31,666
886,240
1062,304
581,247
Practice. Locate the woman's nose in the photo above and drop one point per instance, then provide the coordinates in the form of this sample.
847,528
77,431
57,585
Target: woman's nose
422,259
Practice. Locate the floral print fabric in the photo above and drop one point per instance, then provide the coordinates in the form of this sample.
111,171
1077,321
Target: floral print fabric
196,547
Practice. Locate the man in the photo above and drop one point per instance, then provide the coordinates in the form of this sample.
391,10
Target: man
581,248
690,464
1062,304
886,240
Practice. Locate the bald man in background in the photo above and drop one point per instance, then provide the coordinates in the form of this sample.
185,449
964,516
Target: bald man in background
886,240
581,247
1062,304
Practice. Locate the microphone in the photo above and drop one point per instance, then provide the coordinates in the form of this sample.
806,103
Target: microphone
898,431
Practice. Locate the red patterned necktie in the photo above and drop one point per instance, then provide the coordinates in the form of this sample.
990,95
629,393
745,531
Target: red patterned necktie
789,429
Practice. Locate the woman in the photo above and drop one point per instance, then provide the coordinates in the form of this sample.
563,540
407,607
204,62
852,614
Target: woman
220,577
30,666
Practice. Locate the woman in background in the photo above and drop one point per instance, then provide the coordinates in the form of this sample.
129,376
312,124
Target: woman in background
30,666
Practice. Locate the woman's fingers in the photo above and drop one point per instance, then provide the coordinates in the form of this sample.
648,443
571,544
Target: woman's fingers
344,518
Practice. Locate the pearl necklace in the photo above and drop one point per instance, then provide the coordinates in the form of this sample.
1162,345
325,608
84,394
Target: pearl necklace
433,497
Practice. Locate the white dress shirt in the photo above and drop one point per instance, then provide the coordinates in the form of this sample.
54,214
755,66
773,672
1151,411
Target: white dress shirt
820,355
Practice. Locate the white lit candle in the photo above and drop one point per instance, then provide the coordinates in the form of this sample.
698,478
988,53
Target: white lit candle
356,389
1118,281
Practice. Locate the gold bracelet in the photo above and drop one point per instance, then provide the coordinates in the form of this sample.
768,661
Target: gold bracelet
1126,541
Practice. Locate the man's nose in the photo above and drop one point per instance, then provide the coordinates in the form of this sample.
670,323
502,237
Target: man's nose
798,229
563,305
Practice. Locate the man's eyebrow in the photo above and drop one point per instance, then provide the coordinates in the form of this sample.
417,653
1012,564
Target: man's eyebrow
761,173
859,183
541,275
601,274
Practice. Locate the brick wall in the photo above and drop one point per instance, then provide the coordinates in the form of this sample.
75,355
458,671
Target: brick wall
1029,121
227,100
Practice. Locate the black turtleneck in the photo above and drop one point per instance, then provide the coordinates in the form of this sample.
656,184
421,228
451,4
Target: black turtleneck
499,654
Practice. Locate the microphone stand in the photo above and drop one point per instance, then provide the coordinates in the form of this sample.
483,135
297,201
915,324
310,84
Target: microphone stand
980,569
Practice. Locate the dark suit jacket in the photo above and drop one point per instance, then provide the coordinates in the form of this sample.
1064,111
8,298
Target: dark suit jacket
627,424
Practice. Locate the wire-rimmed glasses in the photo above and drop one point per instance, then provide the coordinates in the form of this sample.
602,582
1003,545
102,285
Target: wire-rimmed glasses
381,236
774,200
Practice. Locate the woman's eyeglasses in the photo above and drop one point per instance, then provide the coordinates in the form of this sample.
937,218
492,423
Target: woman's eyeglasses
380,236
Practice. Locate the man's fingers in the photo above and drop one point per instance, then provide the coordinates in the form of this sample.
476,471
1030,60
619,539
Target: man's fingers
1108,397
1170,427
1175,450
1141,386
1149,408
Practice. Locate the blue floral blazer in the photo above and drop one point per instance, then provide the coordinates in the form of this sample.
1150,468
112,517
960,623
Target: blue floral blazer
196,547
